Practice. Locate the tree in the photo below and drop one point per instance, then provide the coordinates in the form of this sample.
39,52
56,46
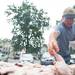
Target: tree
29,24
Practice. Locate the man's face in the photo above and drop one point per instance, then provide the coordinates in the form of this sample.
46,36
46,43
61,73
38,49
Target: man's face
68,22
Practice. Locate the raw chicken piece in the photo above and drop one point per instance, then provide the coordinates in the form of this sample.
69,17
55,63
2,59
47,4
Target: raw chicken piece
61,67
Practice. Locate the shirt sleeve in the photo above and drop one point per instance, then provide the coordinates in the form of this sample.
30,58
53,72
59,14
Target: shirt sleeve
56,28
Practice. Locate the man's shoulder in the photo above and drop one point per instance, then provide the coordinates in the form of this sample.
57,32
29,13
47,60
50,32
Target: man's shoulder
59,27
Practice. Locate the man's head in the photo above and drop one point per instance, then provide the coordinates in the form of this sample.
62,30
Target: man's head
68,16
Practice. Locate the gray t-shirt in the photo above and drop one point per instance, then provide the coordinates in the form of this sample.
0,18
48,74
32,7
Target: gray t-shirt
66,34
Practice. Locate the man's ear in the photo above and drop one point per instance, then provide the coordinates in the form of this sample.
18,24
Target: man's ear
63,18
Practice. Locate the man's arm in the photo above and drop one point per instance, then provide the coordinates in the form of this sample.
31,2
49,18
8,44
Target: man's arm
53,46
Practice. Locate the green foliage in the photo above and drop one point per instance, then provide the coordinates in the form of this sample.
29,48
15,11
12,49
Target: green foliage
29,24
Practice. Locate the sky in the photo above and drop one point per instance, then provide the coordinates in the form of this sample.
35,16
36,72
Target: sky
53,7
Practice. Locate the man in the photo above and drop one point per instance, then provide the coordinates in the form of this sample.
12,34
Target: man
62,34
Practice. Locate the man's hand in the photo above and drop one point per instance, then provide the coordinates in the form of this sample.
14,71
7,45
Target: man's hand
53,47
